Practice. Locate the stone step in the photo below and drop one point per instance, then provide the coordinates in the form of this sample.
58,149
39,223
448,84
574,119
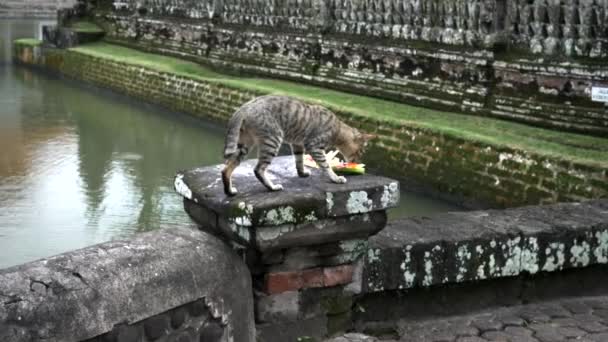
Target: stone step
569,319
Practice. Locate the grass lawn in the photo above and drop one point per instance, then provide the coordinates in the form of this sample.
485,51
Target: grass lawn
28,41
575,147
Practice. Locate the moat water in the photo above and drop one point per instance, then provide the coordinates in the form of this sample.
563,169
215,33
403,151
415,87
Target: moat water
80,165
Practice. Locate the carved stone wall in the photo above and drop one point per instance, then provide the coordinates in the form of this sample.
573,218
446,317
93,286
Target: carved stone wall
554,27
32,8
568,27
475,56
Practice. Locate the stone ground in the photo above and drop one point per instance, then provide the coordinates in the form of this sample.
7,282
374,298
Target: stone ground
582,319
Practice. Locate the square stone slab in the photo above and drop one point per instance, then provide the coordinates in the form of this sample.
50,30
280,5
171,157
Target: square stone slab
301,200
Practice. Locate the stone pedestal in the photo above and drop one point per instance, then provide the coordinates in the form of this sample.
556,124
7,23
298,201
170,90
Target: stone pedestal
306,237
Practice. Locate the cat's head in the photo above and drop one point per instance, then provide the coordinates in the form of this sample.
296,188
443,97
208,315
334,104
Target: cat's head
354,144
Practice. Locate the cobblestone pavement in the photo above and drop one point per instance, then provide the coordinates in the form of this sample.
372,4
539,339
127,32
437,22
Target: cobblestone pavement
582,320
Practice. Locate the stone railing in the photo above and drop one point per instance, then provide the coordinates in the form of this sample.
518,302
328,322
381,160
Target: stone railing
179,284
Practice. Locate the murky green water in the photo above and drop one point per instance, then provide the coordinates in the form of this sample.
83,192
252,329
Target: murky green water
79,166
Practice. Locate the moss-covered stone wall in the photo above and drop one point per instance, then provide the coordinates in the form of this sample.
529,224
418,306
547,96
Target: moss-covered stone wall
478,172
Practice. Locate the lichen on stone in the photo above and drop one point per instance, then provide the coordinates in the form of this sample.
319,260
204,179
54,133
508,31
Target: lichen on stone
601,251
580,253
358,203
555,257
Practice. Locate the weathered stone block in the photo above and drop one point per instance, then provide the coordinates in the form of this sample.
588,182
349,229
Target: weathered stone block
327,254
310,211
458,247
210,285
279,307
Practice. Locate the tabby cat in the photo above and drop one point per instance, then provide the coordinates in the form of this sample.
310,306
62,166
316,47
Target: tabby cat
268,121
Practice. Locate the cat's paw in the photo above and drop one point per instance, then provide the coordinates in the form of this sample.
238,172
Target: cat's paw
339,180
276,187
304,173
232,191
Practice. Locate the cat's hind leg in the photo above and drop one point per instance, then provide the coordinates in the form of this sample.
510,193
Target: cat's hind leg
231,163
298,153
319,156
269,148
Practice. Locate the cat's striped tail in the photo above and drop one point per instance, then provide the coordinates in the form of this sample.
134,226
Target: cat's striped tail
232,136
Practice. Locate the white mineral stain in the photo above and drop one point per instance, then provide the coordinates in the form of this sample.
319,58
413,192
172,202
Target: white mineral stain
529,256
580,254
481,273
281,215
373,255
492,269
244,220
601,251
408,275
513,263
181,187
358,203
311,217
428,269
329,199
244,233
554,262
463,256
428,266
390,195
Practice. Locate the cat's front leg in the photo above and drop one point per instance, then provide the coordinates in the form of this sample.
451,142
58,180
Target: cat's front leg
319,157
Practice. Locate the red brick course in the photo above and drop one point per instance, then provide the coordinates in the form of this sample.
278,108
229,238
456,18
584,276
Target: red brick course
278,282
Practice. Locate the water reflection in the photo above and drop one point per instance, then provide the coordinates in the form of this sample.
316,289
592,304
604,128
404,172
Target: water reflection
78,168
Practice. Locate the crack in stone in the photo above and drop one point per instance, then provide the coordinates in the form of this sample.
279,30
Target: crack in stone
80,277
13,300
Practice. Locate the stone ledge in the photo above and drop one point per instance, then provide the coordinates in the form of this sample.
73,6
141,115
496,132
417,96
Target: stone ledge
86,293
473,246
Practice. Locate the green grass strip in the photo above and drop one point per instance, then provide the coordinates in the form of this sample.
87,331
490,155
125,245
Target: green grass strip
574,147
28,42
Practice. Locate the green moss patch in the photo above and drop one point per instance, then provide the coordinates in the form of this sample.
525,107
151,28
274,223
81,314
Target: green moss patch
574,147
28,42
